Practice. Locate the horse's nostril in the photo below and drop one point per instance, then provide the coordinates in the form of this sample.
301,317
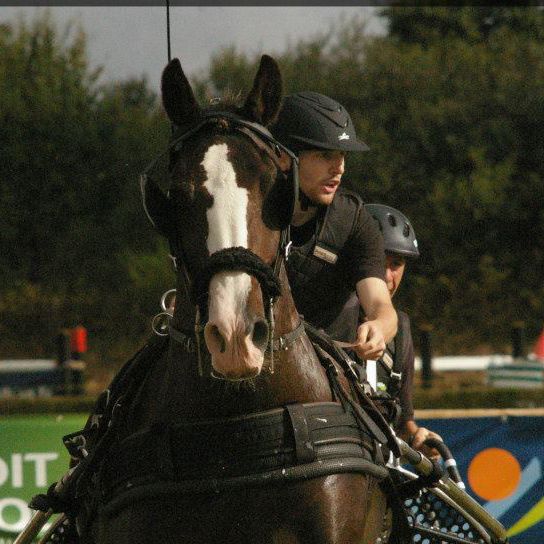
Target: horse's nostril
218,337
260,333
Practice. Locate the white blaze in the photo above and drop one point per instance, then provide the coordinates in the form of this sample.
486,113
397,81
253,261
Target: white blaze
227,224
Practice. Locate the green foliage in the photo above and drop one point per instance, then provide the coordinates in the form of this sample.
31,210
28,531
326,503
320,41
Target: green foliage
70,204
450,104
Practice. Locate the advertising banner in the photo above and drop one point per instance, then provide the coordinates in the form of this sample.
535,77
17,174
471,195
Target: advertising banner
500,460
32,457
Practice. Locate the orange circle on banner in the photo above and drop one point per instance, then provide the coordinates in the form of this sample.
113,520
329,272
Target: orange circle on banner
494,474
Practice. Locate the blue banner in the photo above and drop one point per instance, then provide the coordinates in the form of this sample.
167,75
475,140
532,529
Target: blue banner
501,462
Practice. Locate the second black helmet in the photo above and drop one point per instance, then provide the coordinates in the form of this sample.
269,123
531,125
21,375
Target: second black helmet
311,120
399,236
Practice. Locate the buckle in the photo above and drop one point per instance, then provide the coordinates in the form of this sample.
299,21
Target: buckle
352,365
287,250
396,376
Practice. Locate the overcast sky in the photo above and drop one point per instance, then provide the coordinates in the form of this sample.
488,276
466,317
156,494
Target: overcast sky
130,41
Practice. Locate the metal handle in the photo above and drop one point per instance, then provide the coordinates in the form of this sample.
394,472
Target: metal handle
473,509
33,527
449,462
56,526
40,518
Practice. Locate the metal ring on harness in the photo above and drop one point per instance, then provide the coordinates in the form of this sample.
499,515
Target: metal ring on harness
164,299
160,323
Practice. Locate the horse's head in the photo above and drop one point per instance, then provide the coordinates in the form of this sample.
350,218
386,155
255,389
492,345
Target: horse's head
227,190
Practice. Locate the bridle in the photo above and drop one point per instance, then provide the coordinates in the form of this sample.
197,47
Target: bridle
232,258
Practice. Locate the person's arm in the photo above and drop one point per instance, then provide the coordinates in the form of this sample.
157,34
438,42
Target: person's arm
381,318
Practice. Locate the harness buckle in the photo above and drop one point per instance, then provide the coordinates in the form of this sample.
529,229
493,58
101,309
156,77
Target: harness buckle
160,323
282,344
352,365
168,301
287,250
397,376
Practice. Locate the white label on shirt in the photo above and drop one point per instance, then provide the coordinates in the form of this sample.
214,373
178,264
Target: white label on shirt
325,254
371,375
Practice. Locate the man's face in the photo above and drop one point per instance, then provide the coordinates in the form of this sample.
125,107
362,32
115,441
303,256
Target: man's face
394,270
320,174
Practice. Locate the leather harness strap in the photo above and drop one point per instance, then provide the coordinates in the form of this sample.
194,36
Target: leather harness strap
304,447
248,448
286,340
283,342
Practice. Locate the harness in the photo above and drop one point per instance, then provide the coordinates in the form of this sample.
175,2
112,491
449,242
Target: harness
292,443
296,442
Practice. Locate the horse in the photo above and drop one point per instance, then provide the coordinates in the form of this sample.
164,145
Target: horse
220,443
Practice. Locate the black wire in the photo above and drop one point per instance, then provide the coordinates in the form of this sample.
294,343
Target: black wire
168,29
172,127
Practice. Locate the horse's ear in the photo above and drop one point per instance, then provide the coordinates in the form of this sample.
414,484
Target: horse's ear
263,102
157,206
177,95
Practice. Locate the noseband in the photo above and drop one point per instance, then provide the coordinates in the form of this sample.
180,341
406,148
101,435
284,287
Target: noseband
234,258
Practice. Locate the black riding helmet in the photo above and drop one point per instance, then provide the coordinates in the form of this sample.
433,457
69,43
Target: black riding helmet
311,120
398,234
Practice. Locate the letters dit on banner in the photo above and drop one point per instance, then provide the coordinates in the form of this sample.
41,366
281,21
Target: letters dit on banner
500,459
32,457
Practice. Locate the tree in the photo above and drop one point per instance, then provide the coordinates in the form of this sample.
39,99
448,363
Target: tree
449,102
70,211
466,168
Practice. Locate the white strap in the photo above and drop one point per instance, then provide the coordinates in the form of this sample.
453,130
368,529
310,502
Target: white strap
371,374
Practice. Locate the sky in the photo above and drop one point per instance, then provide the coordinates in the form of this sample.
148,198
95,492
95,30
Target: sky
131,41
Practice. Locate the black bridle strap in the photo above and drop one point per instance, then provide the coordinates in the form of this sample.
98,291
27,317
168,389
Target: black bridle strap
286,340
239,124
282,343
263,146
237,259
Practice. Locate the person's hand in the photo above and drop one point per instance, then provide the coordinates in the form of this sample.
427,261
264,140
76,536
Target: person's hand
417,442
370,343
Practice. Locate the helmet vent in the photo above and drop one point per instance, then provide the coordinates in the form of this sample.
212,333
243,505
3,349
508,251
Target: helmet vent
392,220
406,230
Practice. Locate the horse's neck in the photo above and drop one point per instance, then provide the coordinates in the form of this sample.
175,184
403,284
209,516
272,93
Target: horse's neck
286,315
298,375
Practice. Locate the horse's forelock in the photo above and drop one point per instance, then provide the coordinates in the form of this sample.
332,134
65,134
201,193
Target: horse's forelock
230,101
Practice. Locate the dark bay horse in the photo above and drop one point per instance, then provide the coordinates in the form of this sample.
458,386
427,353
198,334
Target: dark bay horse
201,453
